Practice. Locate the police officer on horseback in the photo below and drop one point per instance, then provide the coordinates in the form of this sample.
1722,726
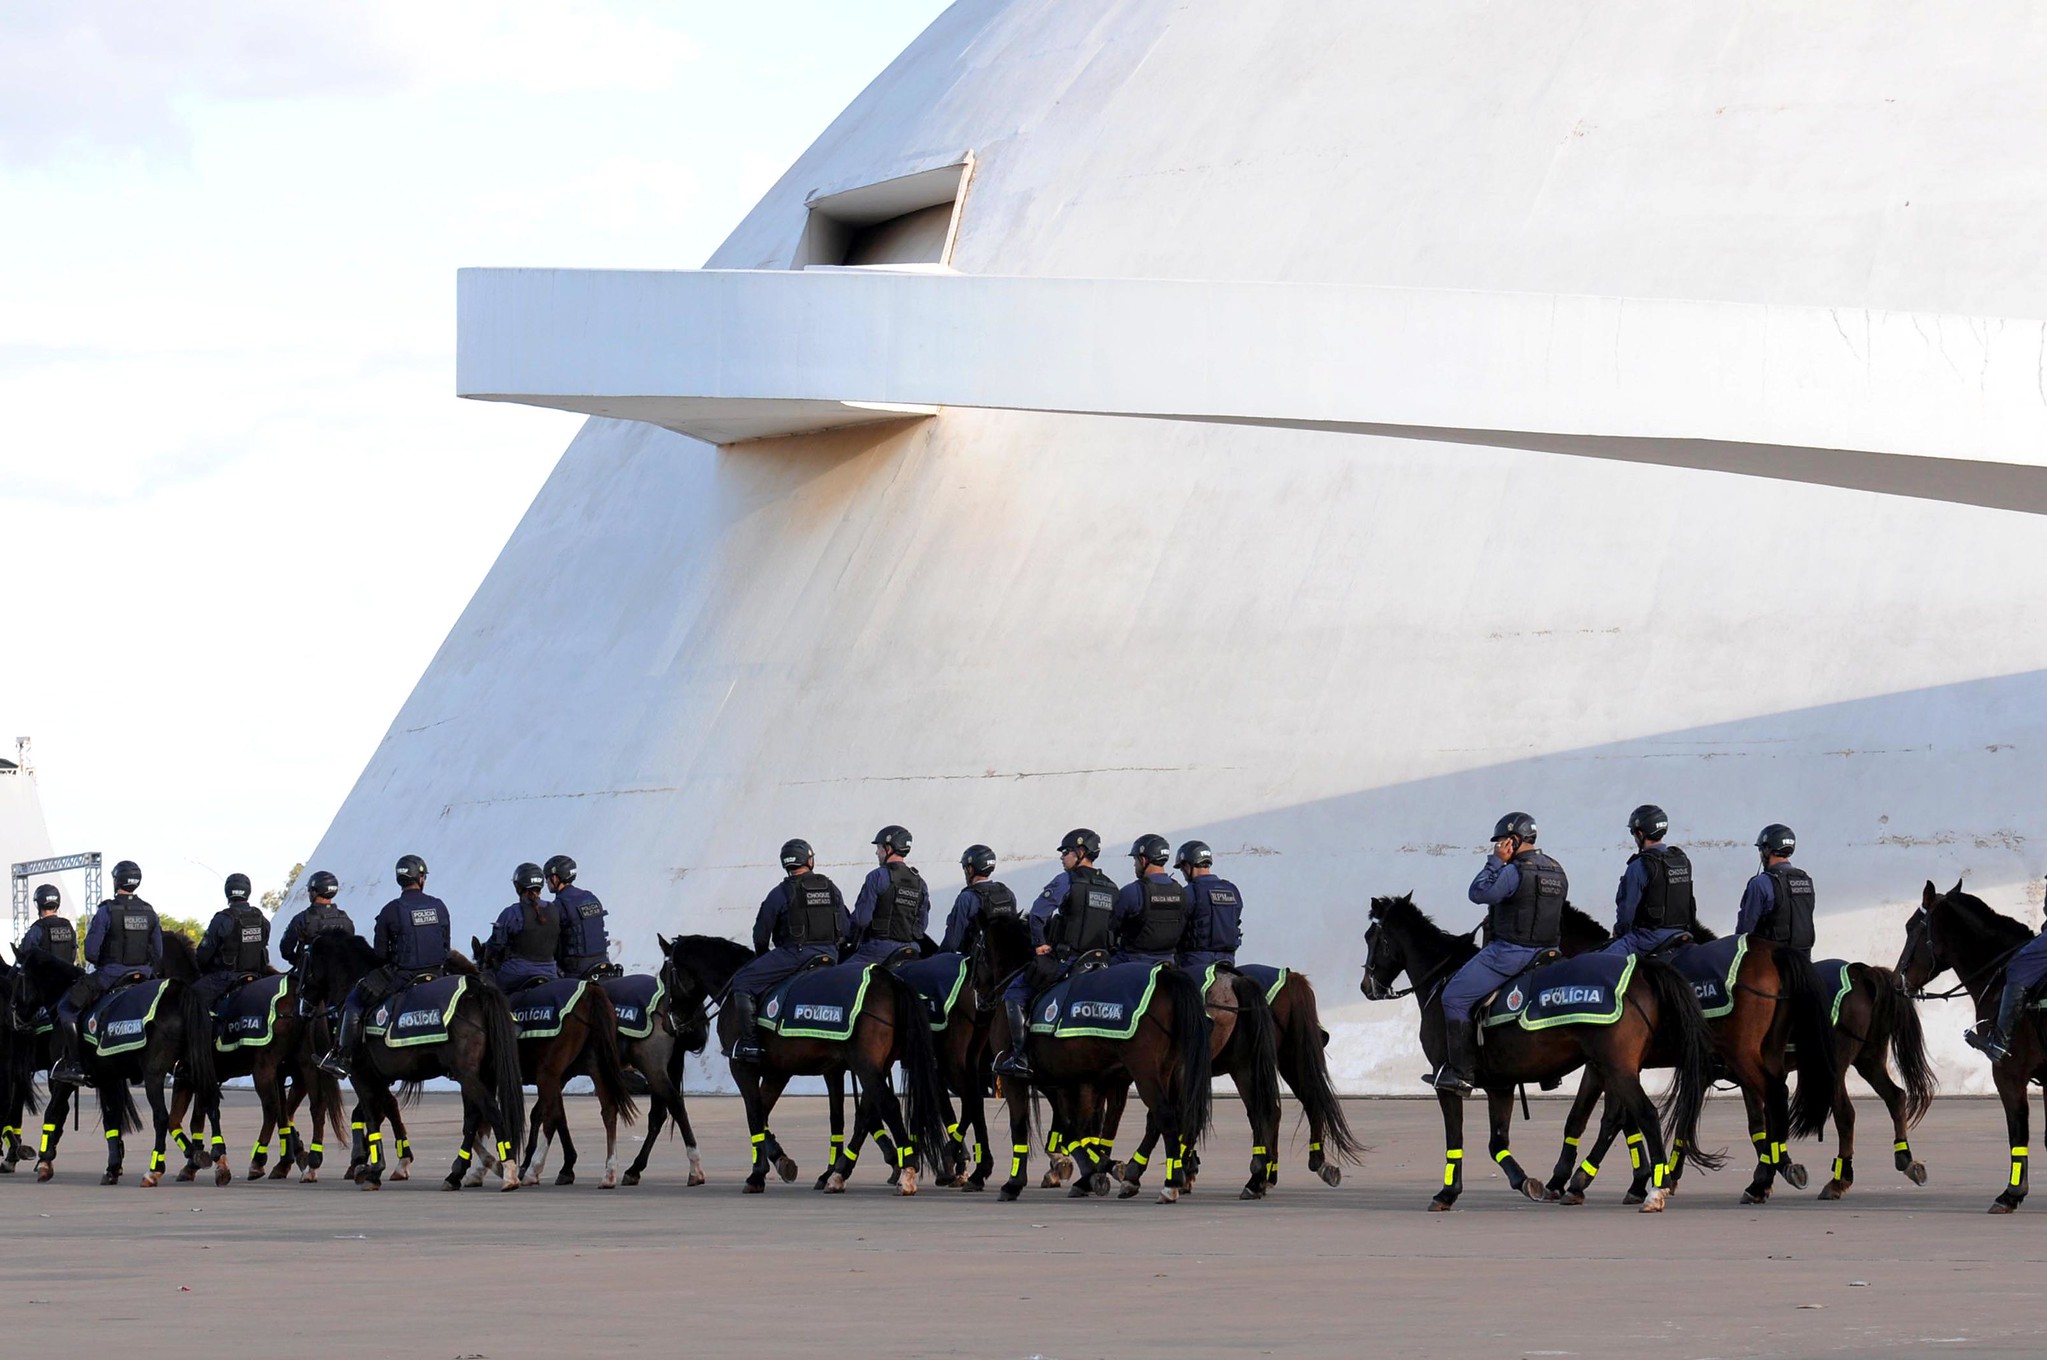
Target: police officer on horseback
801,922
1523,891
1215,912
981,898
585,946
1777,904
49,935
1071,917
320,917
2022,976
527,935
236,943
1653,904
411,940
894,907
125,939
1151,911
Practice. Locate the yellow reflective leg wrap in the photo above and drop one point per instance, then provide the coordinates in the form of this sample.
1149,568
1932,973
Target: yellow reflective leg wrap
463,1154
404,1148
1450,1160
1569,1141
838,1145
953,1130
1017,1153
2018,1165
49,1131
1052,1143
376,1141
1588,1168
284,1131
504,1150
155,1160
905,1153
113,1134
1503,1154
1314,1147
1139,1159
1777,1154
316,1147
179,1137
852,1156
1656,1175
1901,1146
260,1150
1635,1151
1837,1168
1257,1152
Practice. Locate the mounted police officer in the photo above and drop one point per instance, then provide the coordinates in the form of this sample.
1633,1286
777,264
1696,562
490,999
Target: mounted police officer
527,934
124,938
801,920
49,935
981,898
1215,912
1653,904
321,917
1071,917
1151,911
2025,972
236,943
411,939
585,946
893,909
1523,890
1777,904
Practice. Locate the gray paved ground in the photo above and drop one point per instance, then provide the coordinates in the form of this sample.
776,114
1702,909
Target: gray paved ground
281,1269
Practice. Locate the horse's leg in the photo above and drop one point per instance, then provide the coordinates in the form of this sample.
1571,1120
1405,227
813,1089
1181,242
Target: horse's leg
465,1154
1574,1130
1453,1152
974,1114
1087,1158
889,1111
1625,1090
1500,1119
264,1077
746,1076
1847,1053
835,1109
191,1146
117,1152
1753,1102
1874,1065
1017,1097
659,1092
309,1088
1135,1163
402,1140
358,1139
864,1123
539,1141
2012,1091
567,1175
1151,1089
54,1111
1777,1103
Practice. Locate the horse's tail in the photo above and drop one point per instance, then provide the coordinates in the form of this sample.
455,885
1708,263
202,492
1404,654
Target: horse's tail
1259,1085
197,1055
923,1085
1189,1095
607,1072
1812,1030
1683,1028
326,1100
21,1063
1893,1012
1310,1063
501,1064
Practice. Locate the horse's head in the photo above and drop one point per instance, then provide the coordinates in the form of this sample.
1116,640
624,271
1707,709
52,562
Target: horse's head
1918,961
332,964
43,981
1001,946
180,957
1385,946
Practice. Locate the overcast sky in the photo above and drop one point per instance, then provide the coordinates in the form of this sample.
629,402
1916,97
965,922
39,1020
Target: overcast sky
241,506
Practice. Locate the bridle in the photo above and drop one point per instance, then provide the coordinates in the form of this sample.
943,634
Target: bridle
1379,992
1921,922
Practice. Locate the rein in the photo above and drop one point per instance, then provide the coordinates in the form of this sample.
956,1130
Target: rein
1964,979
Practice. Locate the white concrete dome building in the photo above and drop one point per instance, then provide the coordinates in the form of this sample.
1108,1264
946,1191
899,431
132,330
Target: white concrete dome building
1334,656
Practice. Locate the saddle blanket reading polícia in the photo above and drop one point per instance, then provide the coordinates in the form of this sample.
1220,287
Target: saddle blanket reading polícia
818,1003
119,1023
1710,968
247,1016
1834,976
1103,1004
1587,990
418,1014
637,998
938,980
538,1010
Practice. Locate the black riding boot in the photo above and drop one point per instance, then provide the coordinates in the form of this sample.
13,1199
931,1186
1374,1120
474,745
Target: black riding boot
1460,1057
342,1054
1015,1063
746,1035
1996,1045
69,1067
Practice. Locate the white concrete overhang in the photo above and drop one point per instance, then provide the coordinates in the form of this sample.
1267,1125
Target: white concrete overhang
1944,407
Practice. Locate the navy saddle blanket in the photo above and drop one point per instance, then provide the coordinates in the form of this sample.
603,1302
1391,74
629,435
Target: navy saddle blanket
939,980
1587,990
1710,968
247,1016
1103,1004
119,1023
1271,978
1835,977
637,997
538,1010
818,1003
418,1014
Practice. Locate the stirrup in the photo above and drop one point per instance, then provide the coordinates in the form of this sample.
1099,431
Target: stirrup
1990,1042
333,1064
69,1071
1448,1078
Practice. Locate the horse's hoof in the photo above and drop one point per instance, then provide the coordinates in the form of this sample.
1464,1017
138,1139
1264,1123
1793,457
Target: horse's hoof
311,1176
972,1185
282,1171
1571,1199
564,1177
1079,1190
150,1179
452,1183
2001,1207
257,1173
1793,1174
1009,1192
44,1172
695,1178
895,1178
909,1185
355,1172
186,1173
1168,1196
629,1178
524,1178
1754,1196
1440,1206
1834,1189
510,1183
1098,1183
754,1187
610,1181
223,1174
6,1166
402,1171
1655,1201
1532,1188
1129,1190
1331,1173
1248,1193
1916,1173
1050,1182
822,1177
473,1179
834,1184
785,1167
366,1183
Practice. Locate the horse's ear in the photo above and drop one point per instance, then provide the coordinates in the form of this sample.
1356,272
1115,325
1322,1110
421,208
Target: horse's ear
1955,891
663,941
1926,897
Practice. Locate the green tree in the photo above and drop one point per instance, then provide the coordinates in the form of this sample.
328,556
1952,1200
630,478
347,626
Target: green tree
192,930
273,901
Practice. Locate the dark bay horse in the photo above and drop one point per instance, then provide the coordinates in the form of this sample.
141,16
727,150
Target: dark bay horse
179,1035
672,1036
25,1049
1958,930
1167,1057
480,1054
1660,1007
1779,1021
890,1027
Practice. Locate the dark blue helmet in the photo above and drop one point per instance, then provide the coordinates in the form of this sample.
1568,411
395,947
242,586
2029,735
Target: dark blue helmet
894,839
322,884
1082,842
977,860
796,854
411,871
128,874
1194,855
237,888
1649,822
48,898
563,868
1776,839
528,878
1519,825
1152,848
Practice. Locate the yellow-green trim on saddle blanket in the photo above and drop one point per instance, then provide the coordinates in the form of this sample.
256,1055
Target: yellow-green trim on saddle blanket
1059,1030
646,1025
952,997
1841,992
261,1038
793,1031
1523,1013
519,1014
1271,993
1733,971
129,1041
374,1030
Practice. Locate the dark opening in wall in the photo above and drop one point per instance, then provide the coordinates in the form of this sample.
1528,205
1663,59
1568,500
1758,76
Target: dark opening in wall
908,220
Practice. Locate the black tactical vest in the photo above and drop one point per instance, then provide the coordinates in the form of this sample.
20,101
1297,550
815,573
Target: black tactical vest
1534,915
248,948
1164,920
810,916
996,900
60,938
130,919
324,918
895,912
1667,897
1790,921
1082,921
540,930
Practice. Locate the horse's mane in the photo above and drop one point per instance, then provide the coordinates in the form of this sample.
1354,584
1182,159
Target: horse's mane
1701,935
180,956
714,949
1579,923
1401,912
345,949
1977,915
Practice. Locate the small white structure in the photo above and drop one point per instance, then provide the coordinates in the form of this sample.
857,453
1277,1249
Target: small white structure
988,563
23,834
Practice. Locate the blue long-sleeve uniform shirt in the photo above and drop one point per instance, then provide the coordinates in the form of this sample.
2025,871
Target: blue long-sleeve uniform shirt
1049,902
96,936
1758,900
872,887
413,932
1628,896
965,908
1129,910
1497,879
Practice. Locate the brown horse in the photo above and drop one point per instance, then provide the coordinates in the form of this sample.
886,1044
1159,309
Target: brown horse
1957,930
890,1026
1659,1007
1779,1018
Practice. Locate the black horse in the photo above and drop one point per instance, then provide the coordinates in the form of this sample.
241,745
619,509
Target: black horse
1660,1008
480,1054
